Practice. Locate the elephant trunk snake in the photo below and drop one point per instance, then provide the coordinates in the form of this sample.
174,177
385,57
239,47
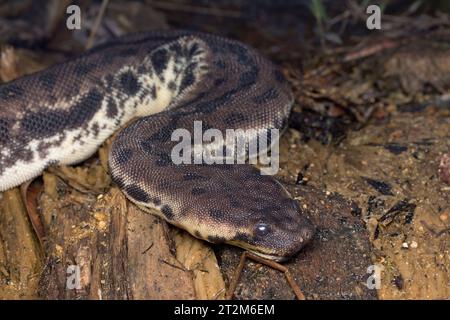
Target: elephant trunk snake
167,80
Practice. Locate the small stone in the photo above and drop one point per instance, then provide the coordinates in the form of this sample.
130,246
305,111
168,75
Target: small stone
413,244
420,155
405,245
443,217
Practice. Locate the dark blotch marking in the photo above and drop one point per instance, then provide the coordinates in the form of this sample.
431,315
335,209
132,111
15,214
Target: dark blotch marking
234,118
129,83
47,81
218,82
194,50
172,86
44,123
25,154
193,176
77,137
126,52
124,156
95,129
42,148
211,106
111,110
4,131
220,64
241,53
176,47
147,146
188,77
198,191
235,204
197,234
248,78
84,109
167,211
163,160
153,92
159,60
137,193
269,95
164,133
82,69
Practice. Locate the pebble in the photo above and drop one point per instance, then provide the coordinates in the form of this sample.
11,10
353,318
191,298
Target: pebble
405,245
413,244
443,217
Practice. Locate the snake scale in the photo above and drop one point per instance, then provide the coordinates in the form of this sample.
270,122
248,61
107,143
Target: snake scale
167,80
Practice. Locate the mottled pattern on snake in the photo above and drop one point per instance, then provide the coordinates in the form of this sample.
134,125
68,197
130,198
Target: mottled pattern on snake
169,79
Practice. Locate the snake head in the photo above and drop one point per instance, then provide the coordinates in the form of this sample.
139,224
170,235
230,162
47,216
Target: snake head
278,233
251,211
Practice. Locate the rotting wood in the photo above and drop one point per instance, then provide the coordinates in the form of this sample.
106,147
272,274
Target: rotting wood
108,239
20,254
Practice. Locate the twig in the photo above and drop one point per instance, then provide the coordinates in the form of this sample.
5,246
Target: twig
172,265
217,294
434,232
96,25
146,250
270,263
371,50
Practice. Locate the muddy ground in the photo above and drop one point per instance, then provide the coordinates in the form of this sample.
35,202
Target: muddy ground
366,154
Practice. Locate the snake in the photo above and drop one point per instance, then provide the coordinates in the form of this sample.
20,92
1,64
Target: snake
146,86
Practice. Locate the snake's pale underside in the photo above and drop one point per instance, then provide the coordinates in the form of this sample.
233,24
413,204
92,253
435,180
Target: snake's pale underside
167,80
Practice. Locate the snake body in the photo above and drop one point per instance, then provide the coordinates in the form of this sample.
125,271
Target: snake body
168,80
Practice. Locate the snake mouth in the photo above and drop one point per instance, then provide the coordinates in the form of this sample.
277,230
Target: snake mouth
270,256
277,252
257,251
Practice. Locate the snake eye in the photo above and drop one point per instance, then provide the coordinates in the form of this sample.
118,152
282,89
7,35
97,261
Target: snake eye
261,229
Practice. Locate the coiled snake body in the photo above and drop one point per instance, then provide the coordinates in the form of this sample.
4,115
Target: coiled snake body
169,79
